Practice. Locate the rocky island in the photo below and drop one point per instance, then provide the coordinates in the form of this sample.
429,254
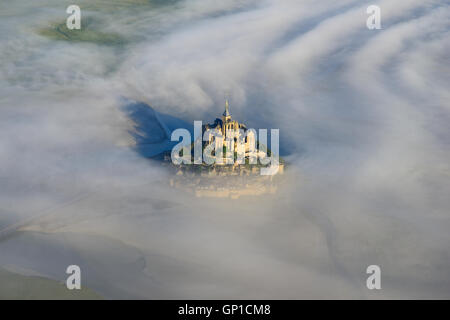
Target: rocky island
233,163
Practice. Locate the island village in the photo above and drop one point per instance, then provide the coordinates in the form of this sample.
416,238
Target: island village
235,166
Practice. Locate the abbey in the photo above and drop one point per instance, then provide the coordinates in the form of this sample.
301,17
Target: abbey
231,136
227,142
225,126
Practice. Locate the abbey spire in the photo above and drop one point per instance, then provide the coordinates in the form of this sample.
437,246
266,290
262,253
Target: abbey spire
226,113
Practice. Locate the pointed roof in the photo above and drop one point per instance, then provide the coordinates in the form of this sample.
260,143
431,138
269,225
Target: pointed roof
227,111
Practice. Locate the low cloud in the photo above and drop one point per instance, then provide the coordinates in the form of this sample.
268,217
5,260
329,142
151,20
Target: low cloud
363,118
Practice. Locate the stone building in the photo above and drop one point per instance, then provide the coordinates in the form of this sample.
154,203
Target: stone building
230,133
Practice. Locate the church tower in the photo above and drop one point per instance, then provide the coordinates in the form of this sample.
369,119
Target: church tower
226,117
227,123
